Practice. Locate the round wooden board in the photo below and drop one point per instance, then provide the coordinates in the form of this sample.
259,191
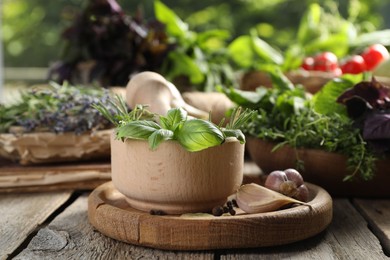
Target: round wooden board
109,213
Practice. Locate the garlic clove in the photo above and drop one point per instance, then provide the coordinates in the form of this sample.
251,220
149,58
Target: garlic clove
295,176
254,198
303,193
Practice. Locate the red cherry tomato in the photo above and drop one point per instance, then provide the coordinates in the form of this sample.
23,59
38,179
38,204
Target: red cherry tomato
374,55
308,63
326,61
337,72
354,65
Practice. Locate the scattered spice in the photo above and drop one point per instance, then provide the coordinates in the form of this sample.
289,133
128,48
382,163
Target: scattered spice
227,208
157,212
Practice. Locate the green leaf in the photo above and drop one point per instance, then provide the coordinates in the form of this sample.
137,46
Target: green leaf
245,98
176,116
309,26
241,52
140,130
324,101
293,57
213,39
164,122
237,133
159,136
174,25
279,80
265,51
365,39
196,135
336,43
183,65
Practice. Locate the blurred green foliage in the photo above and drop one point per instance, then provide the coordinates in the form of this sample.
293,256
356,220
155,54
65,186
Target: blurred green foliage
31,29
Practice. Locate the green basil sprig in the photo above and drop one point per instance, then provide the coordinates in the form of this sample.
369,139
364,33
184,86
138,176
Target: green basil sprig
192,134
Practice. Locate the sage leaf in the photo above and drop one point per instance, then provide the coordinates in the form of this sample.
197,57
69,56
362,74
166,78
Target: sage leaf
140,130
159,136
196,135
237,133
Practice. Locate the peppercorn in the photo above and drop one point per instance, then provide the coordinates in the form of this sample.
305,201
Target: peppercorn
232,212
225,209
234,202
229,204
217,211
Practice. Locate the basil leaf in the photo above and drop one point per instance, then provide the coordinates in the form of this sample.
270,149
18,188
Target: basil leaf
140,130
159,136
196,135
164,122
237,133
174,117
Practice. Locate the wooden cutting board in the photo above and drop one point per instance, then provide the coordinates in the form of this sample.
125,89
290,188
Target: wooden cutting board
109,213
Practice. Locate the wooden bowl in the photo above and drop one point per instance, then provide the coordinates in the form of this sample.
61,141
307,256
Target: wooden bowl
312,81
321,168
173,179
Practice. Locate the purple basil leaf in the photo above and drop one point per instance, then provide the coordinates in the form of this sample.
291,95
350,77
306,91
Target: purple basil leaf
377,126
374,93
357,107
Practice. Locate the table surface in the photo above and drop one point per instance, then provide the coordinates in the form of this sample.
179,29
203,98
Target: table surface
54,225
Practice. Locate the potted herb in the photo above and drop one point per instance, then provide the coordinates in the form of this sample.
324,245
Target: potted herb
55,123
316,135
175,163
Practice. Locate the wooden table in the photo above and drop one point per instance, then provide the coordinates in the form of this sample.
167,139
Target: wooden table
54,225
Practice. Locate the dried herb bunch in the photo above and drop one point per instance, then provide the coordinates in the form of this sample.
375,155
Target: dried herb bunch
114,44
58,108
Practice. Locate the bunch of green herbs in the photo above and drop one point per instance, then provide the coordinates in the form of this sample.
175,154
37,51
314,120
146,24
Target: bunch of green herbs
289,116
56,108
191,133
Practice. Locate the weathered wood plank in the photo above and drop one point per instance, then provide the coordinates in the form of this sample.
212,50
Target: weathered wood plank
70,236
20,214
346,238
377,214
